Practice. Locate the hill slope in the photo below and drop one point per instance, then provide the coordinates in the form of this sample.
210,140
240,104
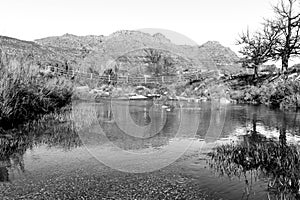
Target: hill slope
11,48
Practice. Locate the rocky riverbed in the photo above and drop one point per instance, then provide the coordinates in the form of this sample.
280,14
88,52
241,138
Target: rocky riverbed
96,181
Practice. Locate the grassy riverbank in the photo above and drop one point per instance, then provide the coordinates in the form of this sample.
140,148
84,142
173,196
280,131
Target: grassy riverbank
25,95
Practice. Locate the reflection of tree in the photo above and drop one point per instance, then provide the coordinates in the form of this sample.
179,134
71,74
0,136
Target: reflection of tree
254,121
49,131
282,135
240,116
11,154
4,176
289,121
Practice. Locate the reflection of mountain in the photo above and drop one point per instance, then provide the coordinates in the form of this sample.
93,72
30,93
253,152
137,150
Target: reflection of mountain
141,114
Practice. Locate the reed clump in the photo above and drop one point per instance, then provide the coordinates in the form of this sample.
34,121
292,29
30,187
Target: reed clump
277,160
26,95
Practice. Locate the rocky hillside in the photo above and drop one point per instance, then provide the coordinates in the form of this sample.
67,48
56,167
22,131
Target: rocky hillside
220,54
225,59
41,53
123,49
128,43
69,41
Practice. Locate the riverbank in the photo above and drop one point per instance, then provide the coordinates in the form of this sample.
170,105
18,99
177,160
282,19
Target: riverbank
278,91
187,93
272,89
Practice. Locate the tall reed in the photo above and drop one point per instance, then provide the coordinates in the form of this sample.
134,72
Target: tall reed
26,95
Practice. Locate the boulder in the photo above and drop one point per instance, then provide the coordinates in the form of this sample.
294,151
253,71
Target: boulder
223,100
138,97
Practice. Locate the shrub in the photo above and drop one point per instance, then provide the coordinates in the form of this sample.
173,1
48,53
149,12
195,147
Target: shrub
283,94
292,101
236,95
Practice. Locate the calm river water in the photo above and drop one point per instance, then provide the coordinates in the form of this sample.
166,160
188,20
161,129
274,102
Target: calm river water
135,150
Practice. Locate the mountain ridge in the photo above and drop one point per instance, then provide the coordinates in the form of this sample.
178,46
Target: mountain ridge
94,52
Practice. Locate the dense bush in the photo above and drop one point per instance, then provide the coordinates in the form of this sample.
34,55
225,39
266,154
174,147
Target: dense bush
24,95
283,94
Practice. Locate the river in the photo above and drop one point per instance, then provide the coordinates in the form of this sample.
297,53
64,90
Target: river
136,150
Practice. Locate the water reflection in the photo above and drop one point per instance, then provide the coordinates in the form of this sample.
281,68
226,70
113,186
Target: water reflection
49,131
11,155
63,132
119,129
257,157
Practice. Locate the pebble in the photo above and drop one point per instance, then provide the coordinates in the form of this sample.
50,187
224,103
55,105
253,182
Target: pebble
112,185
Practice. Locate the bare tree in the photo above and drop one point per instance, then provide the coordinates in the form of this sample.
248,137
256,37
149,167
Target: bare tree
287,22
257,48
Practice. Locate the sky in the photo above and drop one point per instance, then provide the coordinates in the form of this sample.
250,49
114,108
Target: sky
196,20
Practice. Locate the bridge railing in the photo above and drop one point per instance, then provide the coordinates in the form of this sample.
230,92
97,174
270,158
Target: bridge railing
186,77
